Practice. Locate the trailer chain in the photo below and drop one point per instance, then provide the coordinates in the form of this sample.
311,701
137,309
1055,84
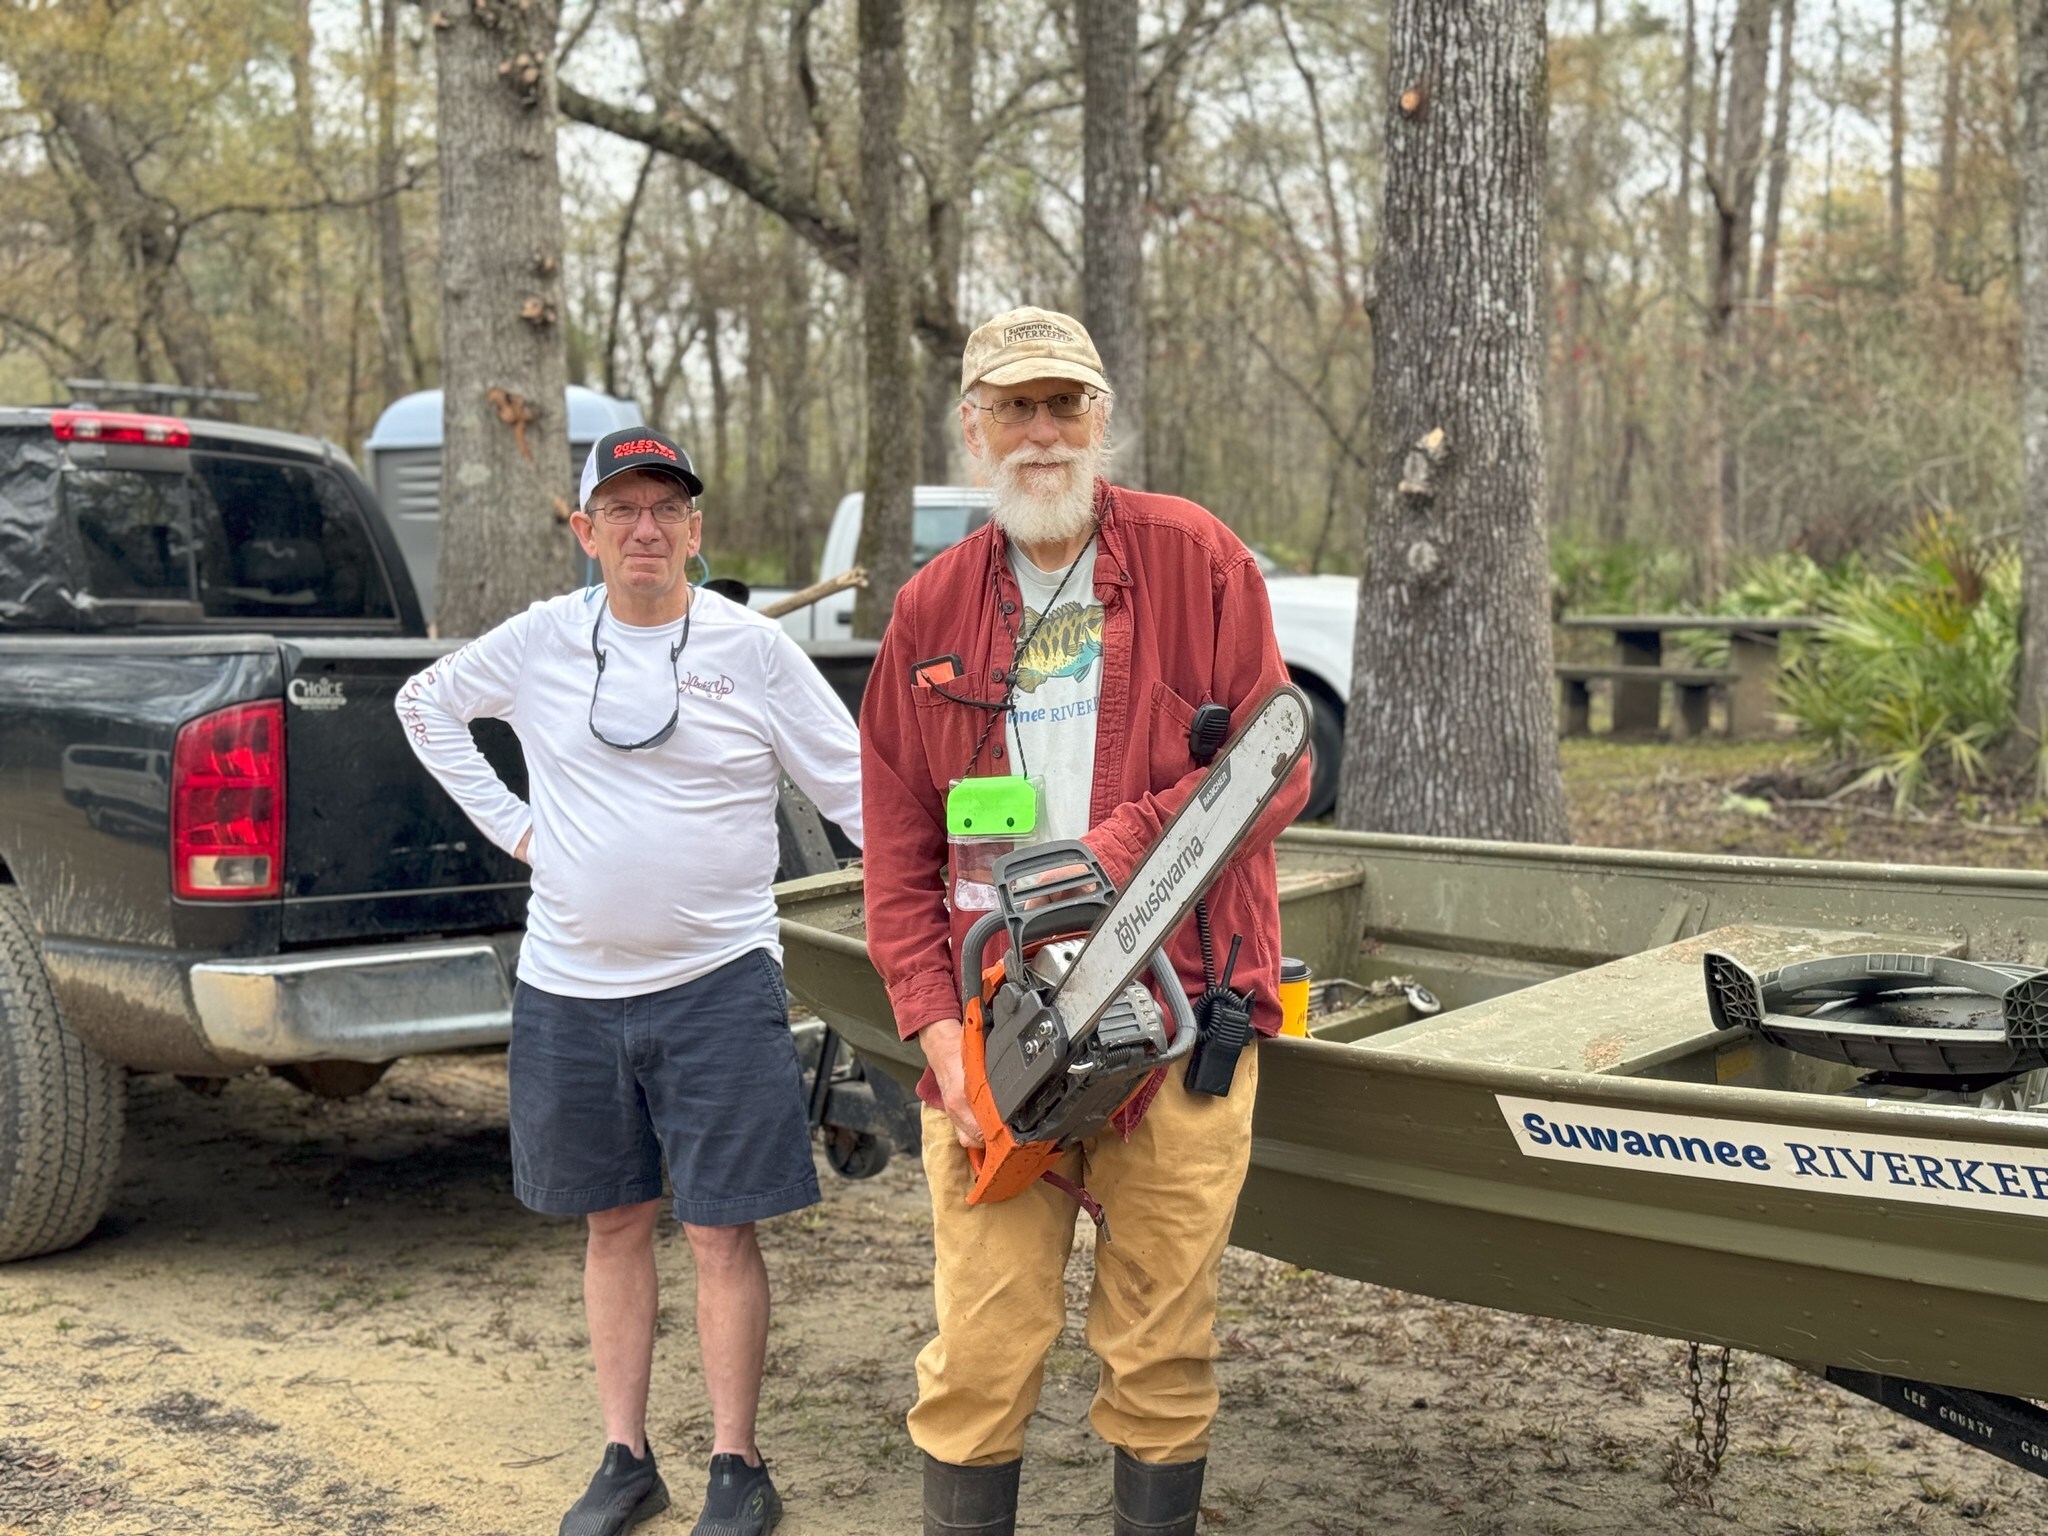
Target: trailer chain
1708,1448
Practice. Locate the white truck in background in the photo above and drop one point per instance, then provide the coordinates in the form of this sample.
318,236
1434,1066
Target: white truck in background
1312,615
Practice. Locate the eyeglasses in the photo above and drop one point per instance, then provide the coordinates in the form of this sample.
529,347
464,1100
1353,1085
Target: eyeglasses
667,730
621,514
1064,406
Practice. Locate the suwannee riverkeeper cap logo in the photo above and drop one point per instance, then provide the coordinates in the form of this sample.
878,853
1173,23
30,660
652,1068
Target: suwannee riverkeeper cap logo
1020,345
635,448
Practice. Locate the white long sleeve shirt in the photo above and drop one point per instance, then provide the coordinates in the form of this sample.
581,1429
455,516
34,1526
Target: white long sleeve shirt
650,868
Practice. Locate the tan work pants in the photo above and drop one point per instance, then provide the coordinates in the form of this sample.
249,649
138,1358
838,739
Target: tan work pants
1169,1193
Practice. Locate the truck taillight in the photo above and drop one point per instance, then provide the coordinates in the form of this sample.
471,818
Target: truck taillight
119,427
227,804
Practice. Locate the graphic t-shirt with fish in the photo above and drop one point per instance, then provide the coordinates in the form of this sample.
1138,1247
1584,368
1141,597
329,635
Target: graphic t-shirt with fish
1059,681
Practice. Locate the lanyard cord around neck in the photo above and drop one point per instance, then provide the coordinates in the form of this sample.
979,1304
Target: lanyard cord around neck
1021,641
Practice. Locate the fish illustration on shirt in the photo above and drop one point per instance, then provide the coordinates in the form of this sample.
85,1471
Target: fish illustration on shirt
1064,643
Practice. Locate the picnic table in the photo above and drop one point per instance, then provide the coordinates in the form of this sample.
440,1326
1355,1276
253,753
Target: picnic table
1752,657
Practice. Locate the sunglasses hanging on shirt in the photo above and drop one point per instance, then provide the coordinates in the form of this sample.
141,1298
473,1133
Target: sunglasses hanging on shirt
674,655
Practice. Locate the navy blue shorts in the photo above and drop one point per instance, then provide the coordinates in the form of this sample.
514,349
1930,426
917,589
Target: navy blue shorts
705,1074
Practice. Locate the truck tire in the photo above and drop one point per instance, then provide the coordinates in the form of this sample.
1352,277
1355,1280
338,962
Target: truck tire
60,1107
1325,752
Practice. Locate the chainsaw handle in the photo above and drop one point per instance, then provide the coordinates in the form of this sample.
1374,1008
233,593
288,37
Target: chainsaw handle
970,954
1176,1004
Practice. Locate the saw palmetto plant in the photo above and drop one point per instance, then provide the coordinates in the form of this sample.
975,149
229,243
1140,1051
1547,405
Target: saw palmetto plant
1913,675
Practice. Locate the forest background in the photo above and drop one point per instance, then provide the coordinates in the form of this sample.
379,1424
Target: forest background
242,193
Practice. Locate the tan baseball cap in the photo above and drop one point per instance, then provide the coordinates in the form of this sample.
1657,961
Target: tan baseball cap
1028,343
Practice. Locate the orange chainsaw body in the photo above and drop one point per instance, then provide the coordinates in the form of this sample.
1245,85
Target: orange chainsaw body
1003,1166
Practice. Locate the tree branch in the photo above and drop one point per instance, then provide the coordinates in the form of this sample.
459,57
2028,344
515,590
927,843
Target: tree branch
689,137
706,147
37,333
311,205
1338,435
576,33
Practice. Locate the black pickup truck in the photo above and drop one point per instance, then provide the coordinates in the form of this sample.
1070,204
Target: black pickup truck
217,850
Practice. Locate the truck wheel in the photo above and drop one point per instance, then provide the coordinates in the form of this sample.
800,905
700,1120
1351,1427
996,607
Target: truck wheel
60,1107
1325,753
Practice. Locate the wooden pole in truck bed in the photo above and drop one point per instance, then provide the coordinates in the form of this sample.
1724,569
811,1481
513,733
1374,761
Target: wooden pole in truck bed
817,591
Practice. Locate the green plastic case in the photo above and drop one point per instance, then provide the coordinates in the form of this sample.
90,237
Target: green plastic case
992,807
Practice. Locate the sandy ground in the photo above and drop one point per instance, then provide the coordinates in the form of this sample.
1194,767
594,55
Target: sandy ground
305,1316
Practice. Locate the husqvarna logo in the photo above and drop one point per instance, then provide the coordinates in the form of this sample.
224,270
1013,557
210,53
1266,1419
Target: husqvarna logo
1133,925
316,693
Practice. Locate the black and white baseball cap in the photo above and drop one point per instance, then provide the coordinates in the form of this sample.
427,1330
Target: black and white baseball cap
636,448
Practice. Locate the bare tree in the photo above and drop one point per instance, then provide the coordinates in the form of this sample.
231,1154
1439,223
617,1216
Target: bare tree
400,349
891,374
149,231
790,489
313,295
1951,130
1732,181
952,189
1452,727
2032,16
506,478
1680,472
1113,215
1780,160
1895,86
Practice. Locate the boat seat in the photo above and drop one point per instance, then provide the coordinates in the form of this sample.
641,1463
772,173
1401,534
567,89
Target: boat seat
1631,1015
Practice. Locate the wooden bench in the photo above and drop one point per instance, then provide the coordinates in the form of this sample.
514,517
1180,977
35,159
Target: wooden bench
1752,653
1694,687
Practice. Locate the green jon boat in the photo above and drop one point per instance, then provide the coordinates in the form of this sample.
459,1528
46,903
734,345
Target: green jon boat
1572,1136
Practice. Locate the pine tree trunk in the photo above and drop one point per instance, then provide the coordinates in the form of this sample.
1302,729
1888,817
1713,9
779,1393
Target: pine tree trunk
893,384
506,481
1680,446
953,190
1582,192
2033,165
1895,80
1113,217
717,475
1951,131
1734,184
790,489
1452,729
400,351
1780,162
620,253
313,284
753,499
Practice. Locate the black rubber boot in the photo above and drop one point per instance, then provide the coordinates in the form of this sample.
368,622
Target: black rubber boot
970,1501
1157,1499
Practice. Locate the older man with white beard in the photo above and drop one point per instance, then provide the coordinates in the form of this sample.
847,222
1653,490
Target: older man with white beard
1090,622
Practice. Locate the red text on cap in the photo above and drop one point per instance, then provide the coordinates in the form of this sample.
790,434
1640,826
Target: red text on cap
643,445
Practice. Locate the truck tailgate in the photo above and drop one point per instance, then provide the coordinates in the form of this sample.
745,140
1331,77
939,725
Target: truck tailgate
374,847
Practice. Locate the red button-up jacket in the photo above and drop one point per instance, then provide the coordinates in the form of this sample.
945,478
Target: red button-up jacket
1185,621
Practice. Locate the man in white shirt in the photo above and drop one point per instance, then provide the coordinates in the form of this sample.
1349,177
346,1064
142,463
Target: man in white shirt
649,1022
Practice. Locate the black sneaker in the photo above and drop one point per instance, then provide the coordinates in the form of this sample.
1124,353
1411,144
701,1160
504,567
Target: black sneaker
740,1500
625,1491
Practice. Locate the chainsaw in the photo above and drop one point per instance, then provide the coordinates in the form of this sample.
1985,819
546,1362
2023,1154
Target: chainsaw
1060,1032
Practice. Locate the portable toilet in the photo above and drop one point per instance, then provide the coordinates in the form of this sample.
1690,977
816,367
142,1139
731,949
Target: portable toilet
403,462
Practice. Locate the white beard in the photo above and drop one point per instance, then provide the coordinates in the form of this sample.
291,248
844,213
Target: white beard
1046,506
